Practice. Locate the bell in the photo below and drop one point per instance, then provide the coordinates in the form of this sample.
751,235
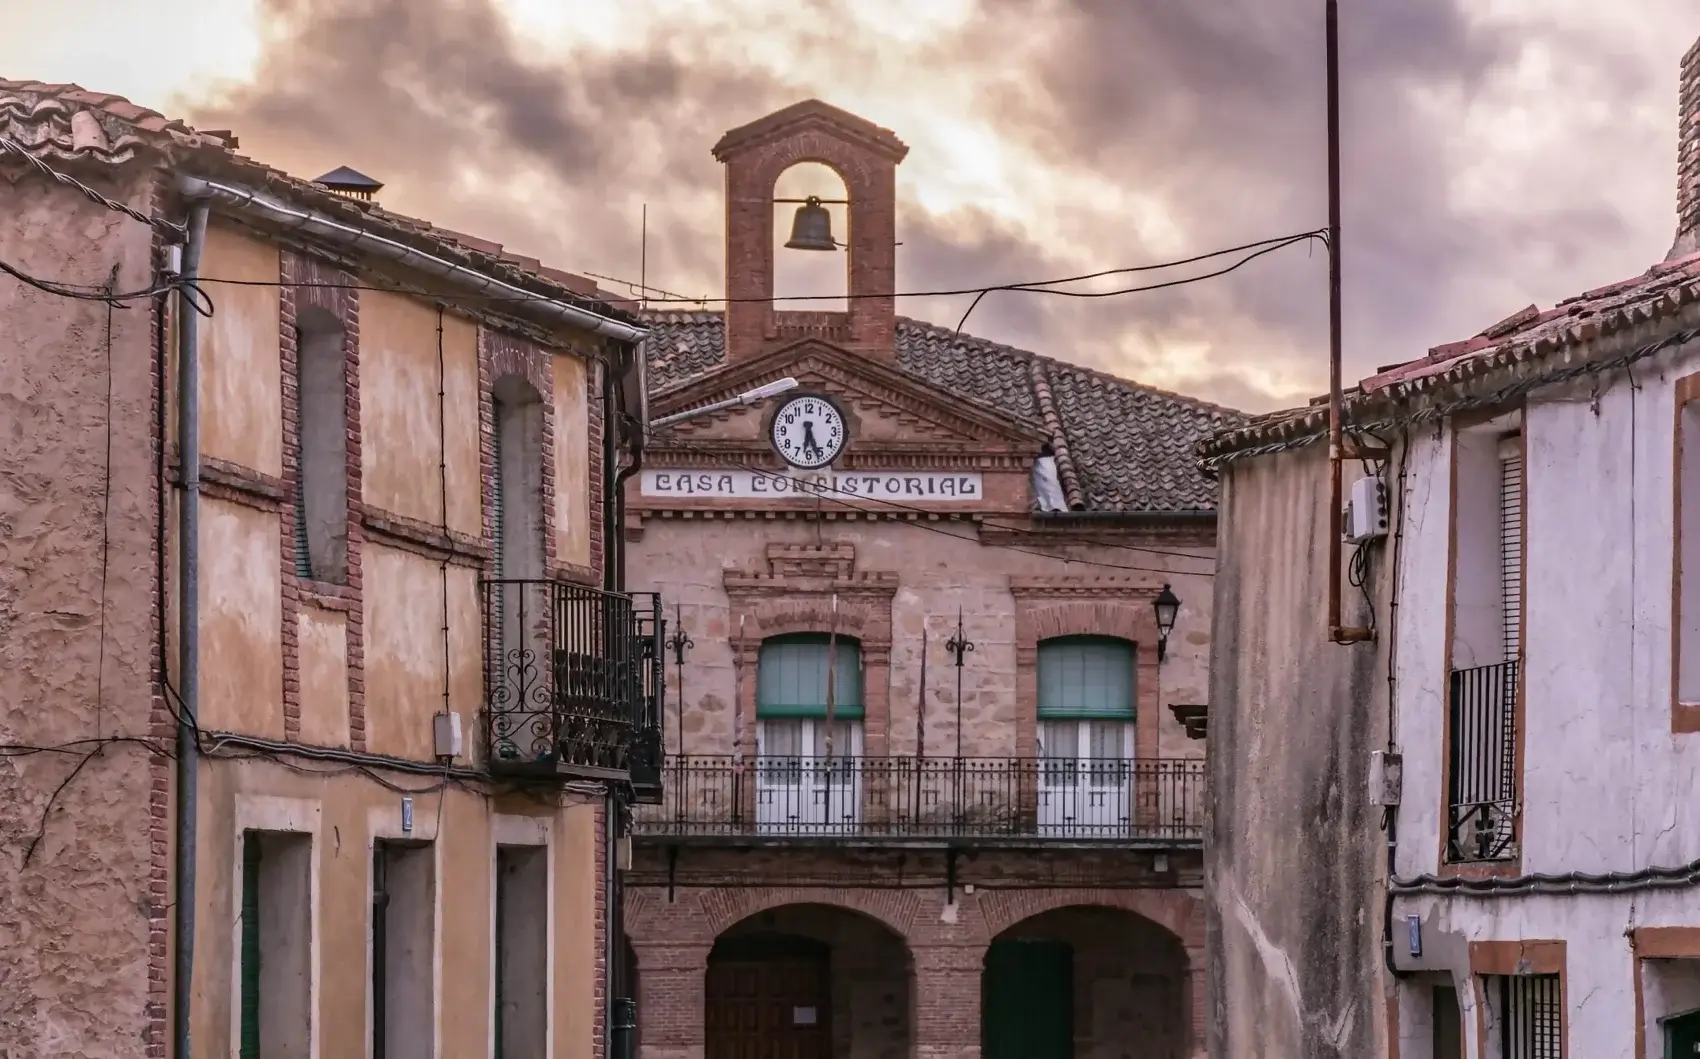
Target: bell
812,228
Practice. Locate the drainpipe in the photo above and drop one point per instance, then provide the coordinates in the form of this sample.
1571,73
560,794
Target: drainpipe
189,629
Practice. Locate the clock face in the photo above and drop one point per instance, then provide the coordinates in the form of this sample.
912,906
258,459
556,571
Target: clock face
808,432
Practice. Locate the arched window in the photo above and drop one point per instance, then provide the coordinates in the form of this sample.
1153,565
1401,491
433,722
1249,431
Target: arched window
823,276
1086,698
516,442
321,455
791,694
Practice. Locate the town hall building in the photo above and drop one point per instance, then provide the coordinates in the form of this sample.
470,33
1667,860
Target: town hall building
940,617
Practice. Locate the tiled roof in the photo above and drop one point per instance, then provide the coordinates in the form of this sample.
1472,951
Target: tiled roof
1531,342
68,124
1120,446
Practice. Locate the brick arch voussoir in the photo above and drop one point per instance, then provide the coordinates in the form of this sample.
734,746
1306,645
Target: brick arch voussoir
850,163
854,620
1176,911
510,356
1131,621
896,910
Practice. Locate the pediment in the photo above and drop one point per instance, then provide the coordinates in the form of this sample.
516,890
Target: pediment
890,409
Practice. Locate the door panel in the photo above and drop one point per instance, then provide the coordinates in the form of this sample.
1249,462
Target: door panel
752,1009
1027,1001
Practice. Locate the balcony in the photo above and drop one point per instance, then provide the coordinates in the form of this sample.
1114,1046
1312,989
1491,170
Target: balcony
1482,765
909,801
573,683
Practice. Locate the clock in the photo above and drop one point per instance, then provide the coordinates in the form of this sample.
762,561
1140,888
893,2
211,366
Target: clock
809,431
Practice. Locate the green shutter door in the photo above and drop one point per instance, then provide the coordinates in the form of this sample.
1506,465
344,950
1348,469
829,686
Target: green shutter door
250,968
303,561
503,888
1682,1036
791,678
496,503
1086,678
1027,1001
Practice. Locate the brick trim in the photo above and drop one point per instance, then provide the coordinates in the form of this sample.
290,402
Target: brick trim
310,282
1179,912
1656,943
501,355
1512,958
1120,608
423,538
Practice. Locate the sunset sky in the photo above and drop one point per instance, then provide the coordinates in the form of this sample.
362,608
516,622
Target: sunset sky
1498,152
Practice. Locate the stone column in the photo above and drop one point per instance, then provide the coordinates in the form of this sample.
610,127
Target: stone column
946,1018
670,999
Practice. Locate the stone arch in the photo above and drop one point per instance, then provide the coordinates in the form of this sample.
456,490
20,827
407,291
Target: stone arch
894,909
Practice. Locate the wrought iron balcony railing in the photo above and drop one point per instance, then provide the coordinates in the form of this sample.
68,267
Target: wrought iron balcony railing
1482,765
1146,801
573,682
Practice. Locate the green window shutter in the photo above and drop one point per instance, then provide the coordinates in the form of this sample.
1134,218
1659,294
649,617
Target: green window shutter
1086,678
303,560
250,954
496,502
1027,1000
791,678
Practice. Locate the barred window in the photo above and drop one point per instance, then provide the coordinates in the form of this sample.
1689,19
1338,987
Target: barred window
1531,1016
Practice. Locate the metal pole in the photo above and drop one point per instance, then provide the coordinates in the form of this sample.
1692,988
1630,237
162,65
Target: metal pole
831,689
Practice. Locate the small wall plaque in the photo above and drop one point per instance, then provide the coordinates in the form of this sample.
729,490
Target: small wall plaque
803,1016
1414,934
407,815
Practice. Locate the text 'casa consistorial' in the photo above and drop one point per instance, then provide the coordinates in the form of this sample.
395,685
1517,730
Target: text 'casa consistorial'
868,485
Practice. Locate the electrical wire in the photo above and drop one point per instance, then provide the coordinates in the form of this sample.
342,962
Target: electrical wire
13,147
733,464
198,298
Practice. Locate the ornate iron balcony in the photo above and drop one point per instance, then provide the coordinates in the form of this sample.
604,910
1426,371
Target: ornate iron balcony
572,682
1157,802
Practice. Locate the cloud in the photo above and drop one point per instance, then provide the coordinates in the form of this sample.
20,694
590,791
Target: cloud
1495,154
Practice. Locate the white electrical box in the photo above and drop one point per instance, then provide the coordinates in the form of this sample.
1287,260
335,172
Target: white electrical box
448,735
1386,778
1365,516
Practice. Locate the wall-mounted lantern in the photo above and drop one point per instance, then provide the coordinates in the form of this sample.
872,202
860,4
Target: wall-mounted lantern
1167,605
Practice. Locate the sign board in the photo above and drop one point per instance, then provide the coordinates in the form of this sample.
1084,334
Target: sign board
899,487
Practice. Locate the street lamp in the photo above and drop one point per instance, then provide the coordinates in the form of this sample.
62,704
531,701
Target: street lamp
748,397
1167,605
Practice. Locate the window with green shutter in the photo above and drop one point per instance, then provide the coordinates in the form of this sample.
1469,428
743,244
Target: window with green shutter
1086,678
791,677
497,503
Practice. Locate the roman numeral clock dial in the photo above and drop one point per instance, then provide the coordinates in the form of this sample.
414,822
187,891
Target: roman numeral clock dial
809,432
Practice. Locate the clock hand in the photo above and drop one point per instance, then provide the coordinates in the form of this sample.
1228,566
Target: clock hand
809,444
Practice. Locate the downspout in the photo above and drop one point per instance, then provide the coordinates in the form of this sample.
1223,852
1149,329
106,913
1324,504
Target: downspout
621,1016
189,628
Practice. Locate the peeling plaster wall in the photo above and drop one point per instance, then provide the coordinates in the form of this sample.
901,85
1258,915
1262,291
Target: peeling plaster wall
686,561
76,647
241,620
1294,855
1607,785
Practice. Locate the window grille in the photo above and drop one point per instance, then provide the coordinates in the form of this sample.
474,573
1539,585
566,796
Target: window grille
1531,1016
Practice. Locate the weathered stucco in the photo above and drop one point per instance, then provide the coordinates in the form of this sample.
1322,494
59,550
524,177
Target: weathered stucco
346,814
1294,857
686,561
241,620
1607,785
572,461
322,639
400,413
241,381
405,657
77,624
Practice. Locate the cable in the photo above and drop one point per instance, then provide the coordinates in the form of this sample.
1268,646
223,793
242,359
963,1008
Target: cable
105,520
198,298
13,147
729,462
674,439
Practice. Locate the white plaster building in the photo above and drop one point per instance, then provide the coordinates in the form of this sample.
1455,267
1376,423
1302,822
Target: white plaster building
1531,870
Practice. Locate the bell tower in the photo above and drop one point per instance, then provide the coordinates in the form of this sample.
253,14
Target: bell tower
865,157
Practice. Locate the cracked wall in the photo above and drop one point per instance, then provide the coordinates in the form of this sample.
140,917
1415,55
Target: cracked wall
76,628
1294,855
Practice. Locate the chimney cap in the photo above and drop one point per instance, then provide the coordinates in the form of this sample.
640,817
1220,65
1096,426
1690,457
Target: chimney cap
345,181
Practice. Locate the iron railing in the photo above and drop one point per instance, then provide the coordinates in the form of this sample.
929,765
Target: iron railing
572,681
1482,765
1108,800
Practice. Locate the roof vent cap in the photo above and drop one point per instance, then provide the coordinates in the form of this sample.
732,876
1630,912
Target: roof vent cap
350,184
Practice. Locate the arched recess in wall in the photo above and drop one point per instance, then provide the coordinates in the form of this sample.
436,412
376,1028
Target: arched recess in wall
807,273
516,443
321,500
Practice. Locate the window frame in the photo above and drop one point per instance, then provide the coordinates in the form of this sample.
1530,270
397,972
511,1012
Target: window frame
1684,716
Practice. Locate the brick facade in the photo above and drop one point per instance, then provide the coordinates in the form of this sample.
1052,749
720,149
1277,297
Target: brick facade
1688,156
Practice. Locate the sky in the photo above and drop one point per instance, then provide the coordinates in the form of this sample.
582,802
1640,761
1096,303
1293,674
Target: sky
1497,153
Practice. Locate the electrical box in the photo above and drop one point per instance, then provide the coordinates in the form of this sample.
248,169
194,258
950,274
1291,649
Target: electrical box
448,737
1386,777
1365,516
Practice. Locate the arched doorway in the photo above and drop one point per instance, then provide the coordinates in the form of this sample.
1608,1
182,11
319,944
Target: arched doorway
1084,983
808,982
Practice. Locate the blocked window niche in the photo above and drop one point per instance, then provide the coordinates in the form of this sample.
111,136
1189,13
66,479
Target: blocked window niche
516,442
321,495
404,898
522,951
1431,1022
275,946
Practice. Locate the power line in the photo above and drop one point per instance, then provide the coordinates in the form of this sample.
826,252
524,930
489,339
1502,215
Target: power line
822,496
13,147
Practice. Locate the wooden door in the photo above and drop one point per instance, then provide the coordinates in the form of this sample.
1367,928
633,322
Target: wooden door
1027,1001
773,1008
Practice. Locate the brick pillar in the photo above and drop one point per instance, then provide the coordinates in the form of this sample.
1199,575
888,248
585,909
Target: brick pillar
947,1001
670,999
1196,997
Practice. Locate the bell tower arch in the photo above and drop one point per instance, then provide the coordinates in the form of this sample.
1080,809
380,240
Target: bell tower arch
865,157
